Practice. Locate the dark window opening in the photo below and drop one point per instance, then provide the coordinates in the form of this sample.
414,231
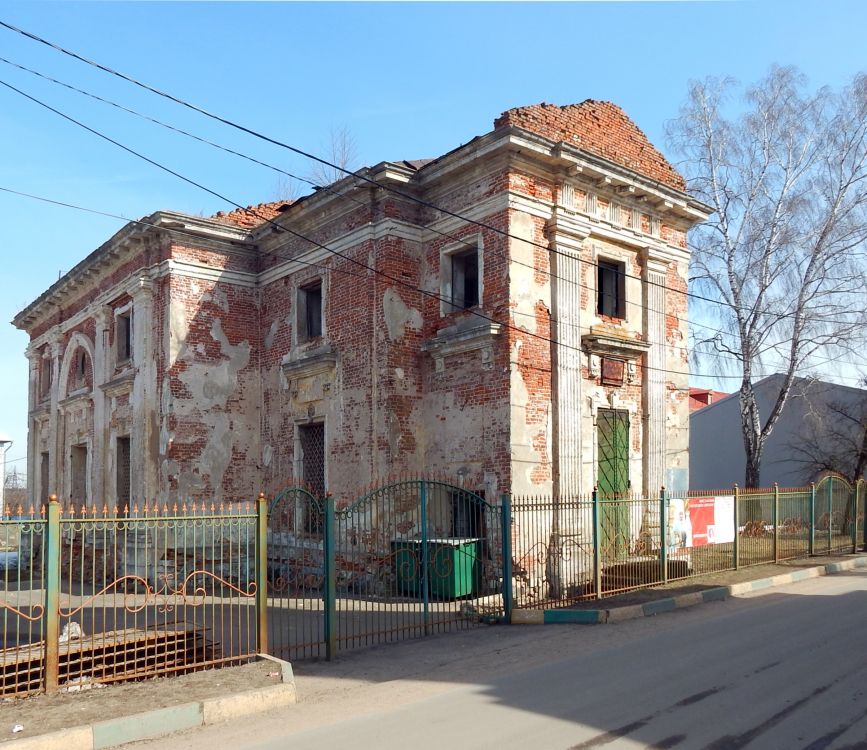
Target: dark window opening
45,378
465,279
43,476
310,312
124,483
611,297
123,332
80,368
468,516
78,466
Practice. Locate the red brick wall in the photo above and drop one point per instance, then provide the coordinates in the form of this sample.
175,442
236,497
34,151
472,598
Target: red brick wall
599,127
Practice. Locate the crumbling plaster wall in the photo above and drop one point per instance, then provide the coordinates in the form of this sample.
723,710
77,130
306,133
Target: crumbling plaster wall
210,395
465,423
677,377
616,231
73,412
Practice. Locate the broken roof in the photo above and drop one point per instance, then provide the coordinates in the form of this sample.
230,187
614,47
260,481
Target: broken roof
252,216
602,128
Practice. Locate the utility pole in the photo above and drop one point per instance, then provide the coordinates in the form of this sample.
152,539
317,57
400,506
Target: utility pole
5,445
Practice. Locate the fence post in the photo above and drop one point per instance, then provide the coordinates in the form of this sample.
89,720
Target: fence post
52,596
776,522
737,537
830,514
506,532
597,549
812,542
859,495
854,517
261,574
663,533
330,580
425,561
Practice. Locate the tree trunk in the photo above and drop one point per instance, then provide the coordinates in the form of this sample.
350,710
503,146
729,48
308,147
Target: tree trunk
752,475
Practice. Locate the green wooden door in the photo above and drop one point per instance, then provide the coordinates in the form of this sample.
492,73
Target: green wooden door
613,481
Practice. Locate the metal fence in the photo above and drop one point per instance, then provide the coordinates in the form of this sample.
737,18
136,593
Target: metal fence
406,560
567,550
90,596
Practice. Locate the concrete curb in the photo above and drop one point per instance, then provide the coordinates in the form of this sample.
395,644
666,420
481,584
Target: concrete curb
162,721
648,609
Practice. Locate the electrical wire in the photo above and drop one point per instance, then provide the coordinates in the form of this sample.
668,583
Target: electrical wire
331,189
357,174
317,244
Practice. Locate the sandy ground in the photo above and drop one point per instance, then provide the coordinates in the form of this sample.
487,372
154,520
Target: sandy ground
48,713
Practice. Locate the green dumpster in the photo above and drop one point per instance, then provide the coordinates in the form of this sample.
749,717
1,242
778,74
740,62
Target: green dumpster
454,566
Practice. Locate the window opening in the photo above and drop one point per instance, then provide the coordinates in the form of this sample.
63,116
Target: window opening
80,368
465,279
310,312
311,439
123,331
78,485
124,483
610,290
45,377
43,476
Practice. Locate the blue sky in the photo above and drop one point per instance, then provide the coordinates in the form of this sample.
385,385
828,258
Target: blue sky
408,80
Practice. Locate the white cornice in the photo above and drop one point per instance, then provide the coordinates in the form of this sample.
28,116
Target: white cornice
206,273
368,233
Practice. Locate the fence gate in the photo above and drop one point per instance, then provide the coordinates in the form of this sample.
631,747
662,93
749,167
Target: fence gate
406,560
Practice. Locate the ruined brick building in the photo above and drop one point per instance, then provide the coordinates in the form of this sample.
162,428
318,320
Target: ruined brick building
217,357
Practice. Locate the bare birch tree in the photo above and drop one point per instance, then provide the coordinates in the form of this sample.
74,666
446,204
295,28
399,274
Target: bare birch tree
835,440
341,150
783,254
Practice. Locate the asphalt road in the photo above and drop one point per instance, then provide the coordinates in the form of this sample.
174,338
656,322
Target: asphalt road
785,670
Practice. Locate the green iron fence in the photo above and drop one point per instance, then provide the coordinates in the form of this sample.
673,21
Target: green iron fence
406,560
567,550
93,596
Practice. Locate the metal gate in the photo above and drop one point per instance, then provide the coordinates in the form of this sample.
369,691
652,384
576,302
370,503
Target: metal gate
406,560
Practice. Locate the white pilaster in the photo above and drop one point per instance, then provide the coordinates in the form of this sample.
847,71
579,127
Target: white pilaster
566,234
144,407
101,366
654,378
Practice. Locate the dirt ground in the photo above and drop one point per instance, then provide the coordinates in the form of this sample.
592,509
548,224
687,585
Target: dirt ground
40,714
43,713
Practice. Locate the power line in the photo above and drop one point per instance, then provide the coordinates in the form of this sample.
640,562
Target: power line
359,175
331,189
365,178
318,244
332,269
